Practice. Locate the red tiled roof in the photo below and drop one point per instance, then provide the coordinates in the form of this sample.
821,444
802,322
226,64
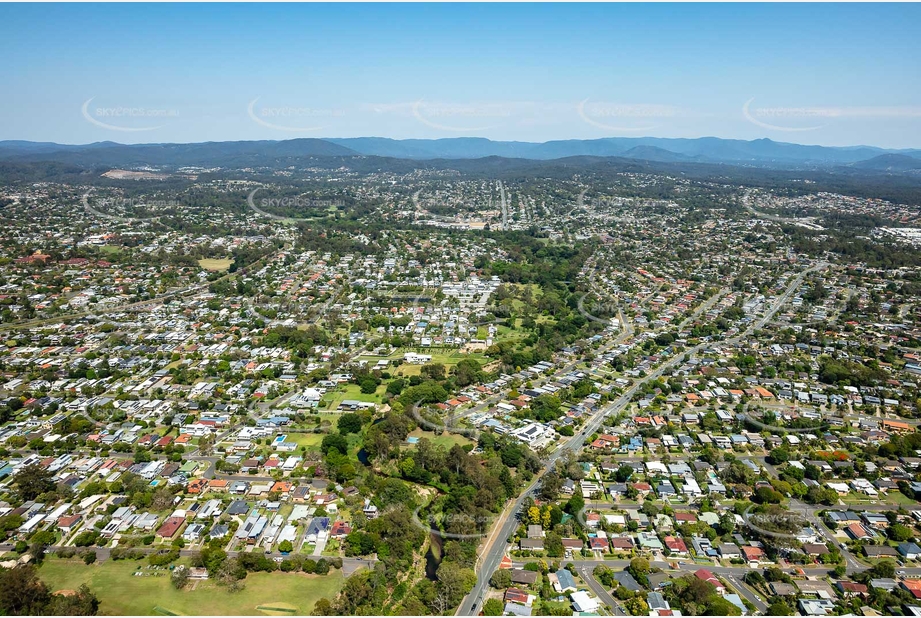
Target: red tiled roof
170,527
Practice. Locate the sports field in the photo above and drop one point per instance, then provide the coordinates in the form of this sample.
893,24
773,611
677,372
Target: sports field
215,264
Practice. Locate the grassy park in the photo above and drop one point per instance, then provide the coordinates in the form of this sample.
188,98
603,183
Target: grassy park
121,592
215,264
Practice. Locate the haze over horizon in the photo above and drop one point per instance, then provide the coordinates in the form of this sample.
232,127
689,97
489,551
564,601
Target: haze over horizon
181,74
338,139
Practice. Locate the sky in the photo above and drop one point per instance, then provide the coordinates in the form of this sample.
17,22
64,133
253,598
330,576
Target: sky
829,74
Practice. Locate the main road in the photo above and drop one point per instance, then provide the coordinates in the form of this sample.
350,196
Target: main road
504,206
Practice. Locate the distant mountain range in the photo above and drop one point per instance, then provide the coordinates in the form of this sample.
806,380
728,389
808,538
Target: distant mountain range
762,153
206,154
891,163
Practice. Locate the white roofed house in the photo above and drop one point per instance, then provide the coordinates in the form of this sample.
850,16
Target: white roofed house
370,510
590,488
32,524
309,398
290,463
112,528
146,521
210,509
193,532
864,486
691,488
288,533
532,433
582,602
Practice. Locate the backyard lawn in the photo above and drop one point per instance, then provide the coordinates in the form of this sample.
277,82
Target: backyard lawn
310,440
122,593
334,397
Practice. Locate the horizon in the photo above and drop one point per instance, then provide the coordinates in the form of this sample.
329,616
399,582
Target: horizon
463,137
533,74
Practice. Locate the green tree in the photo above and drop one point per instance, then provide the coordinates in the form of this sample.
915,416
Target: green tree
553,545
453,583
492,607
22,593
467,371
639,565
636,606
83,603
727,523
32,481
501,579
899,532
323,607
86,538
396,387
334,441
779,455
179,577
779,608
623,474
349,423
575,504
434,371
718,606
368,385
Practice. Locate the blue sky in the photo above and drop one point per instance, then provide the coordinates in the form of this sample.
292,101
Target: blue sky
832,74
